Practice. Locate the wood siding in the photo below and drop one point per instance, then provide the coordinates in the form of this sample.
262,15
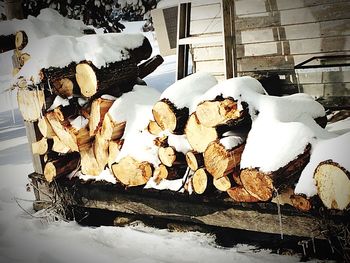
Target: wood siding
272,36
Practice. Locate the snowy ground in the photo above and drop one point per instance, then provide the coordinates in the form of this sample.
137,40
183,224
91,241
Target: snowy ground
24,237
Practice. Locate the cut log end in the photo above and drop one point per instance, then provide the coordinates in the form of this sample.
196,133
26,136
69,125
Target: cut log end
300,202
257,184
194,160
21,40
201,181
86,79
222,183
198,135
154,128
333,185
131,172
164,116
50,172
167,155
213,113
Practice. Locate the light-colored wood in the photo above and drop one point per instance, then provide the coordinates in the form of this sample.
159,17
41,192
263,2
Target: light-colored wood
86,79
198,135
333,185
240,194
164,115
168,156
194,160
45,128
99,108
63,133
40,147
220,161
89,165
24,59
101,146
131,172
113,151
65,88
222,183
154,128
208,53
58,146
21,40
84,139
202,181
30,103
34,135
62,166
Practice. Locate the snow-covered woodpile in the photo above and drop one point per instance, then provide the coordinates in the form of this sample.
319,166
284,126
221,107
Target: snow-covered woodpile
97,120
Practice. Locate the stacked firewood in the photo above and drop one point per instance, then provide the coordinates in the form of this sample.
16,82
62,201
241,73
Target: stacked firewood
70,108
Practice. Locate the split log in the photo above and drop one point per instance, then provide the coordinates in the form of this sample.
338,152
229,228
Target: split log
202,182
195,160
236,176
45,128
198,135
220,161
169,117
58,146
222,183
221,112
30,103
169,156
333,185
42,146
21,40
71,111
7,42
99,108
262,185
131,172
154,128
240,194
62,166
63,133
84,140
113,151
169,173
89,165
101,146
161,141
111,130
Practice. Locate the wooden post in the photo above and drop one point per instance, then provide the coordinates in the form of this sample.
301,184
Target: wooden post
13,9
183,30
228,18
34,135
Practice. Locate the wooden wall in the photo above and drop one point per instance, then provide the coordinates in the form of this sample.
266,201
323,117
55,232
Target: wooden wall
272,36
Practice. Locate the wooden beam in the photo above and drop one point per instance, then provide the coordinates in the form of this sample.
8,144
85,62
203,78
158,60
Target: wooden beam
228,18
183,31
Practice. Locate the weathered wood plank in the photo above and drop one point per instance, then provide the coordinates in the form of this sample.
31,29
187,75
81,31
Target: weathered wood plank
295,47
34,135
214,66
245,7
207,26
326,12
295,32
208,53
212,10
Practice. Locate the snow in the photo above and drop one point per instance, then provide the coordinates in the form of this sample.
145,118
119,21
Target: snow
106,175
79,122
335,149
58,101
339,127
186,91
179,142
135,108
60,51
231,142
164,184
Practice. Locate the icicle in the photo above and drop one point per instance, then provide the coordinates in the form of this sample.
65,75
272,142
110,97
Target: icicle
11,106
313,244
279,213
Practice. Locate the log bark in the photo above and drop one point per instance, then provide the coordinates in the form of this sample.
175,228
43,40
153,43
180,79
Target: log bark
198,135
240,194
202,182
131,172
195,160
262,185
149,66
170,157
333,185
30,103
221,112
62,166
21,40
169,117
220,161
7,42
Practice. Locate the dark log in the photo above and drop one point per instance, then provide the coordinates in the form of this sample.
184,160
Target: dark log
62,166
7,42
149,66
263,185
